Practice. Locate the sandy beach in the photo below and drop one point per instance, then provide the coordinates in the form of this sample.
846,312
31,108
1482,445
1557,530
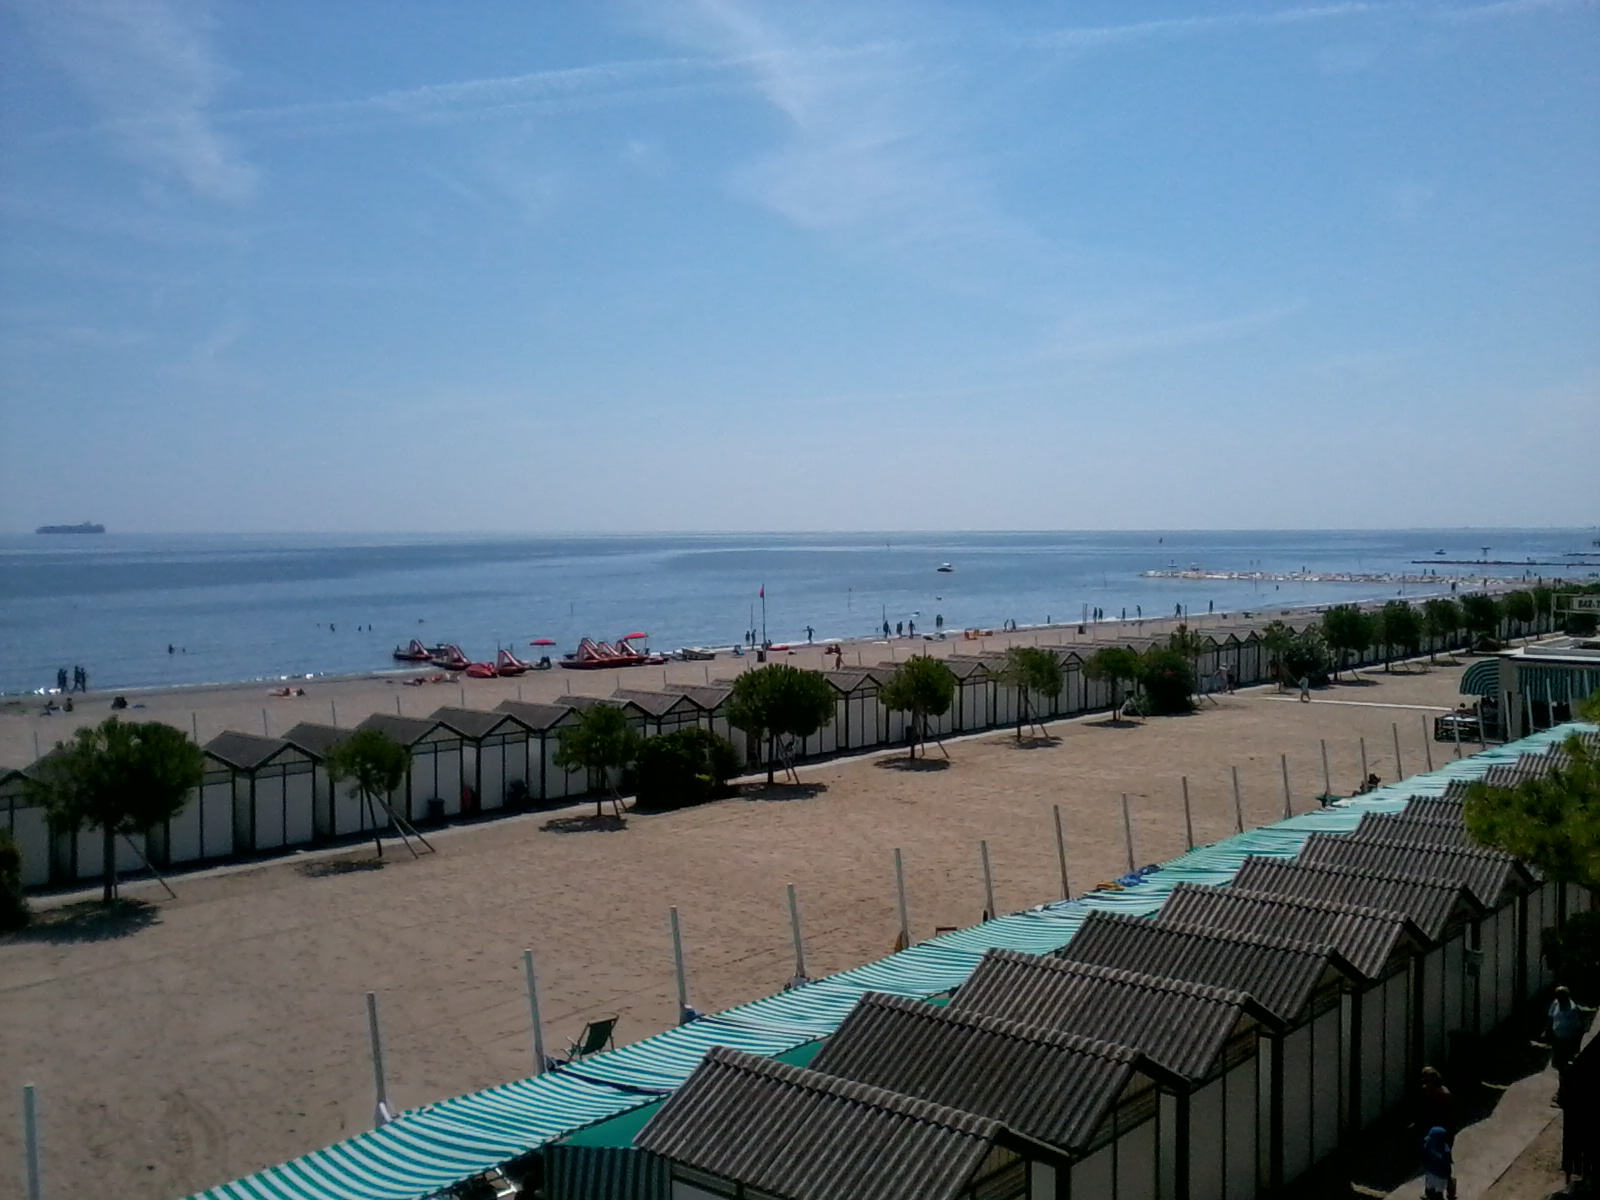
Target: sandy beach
225,1031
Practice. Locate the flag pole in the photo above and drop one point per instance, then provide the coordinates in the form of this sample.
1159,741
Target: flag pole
30,1141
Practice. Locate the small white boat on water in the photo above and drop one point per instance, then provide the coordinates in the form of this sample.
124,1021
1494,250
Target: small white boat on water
944,569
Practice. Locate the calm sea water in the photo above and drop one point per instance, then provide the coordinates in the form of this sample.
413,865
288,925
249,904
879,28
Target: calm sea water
249,607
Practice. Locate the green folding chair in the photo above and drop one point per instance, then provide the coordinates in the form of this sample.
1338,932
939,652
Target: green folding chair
596,1036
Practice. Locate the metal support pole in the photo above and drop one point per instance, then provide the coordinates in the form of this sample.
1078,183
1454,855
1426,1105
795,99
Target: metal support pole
1427,743
988,883
1327,779
799,945
30,1142
533,1008
1399,769
1127,832
1188,816
1061,855
397,711
265,732
381,1114
1365,770
194,728
333,713
677,958
1457,724
1238,804
1288,803
900,894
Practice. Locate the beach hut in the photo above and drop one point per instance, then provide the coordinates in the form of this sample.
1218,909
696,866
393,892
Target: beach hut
1094,1101
1208,1128
75,855
743,1126
665,711
335,812
433,786
271,788
982,702
26,823
1498,967
712,701
1380,945
859,719
495,755
544,722
1445,912
1302,1062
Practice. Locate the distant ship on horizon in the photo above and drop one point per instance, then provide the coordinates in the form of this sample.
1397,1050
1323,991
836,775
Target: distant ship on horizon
86,527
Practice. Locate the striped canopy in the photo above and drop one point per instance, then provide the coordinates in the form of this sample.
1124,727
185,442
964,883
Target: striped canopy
1482,678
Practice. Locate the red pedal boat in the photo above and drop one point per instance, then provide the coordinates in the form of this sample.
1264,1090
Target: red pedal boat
507,663
480,671
450,658
416,652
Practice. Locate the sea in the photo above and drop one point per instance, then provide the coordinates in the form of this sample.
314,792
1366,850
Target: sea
140,611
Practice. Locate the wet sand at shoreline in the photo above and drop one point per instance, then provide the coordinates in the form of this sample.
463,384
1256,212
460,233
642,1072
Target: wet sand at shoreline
228,1033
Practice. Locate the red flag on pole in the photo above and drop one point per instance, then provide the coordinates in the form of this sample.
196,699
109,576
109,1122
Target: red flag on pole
763,591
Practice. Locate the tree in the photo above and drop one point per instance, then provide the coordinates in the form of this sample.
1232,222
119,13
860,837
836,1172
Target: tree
1114,664
601,743
1278,638
1346,628
1480,613
1551,822
687,766
1398,626
1168,681
375,764
14,912
1441,617
1520,607
121,778
1030,670
780,701
923,687
1307,656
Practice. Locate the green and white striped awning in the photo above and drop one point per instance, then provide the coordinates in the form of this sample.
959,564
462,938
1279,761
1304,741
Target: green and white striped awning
1482,678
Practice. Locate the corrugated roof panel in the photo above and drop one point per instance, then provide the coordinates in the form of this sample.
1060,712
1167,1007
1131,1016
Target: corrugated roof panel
1430,903
1488,874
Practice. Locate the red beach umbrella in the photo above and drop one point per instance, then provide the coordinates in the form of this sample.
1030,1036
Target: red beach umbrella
542,642
628,637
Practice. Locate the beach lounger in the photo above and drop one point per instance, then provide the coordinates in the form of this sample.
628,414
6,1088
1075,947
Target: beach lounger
596,1036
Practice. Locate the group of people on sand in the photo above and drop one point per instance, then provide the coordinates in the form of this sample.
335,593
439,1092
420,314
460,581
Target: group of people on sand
80,680
1439,1118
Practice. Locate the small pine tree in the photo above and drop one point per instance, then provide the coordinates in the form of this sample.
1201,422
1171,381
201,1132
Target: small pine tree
1115,664
375,764
601,744
778,700
923,687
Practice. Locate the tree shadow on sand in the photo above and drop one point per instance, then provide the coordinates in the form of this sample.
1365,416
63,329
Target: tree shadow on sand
340,866
782,791
89,921
589,823
913,764
1034,742
1114,723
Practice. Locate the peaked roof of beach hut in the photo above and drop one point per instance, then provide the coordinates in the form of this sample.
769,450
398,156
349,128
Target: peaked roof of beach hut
1370,939
473,723
964,666
710,697
1282,976
1410,827
1435,905
789,1131
657,704
635,712
1053,1086
408,731
1183,1026
316,740
537,717
247,751
850,679
1491,876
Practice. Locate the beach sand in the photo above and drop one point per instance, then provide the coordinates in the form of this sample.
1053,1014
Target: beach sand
229,1032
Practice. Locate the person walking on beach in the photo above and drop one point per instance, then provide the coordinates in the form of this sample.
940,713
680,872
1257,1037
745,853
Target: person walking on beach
1563,1026
911,629
61,679
1438,1166
1436,1107
809,632
899,629
1305,689
886,629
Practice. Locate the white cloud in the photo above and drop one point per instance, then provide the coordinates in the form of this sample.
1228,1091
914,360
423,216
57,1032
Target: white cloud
1089,37
149,70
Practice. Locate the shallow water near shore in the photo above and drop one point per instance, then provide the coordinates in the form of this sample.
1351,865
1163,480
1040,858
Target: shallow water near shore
237,607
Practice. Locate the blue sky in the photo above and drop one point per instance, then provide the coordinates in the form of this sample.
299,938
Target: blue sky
619,266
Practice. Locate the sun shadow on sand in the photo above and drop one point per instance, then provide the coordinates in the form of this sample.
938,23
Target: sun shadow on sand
913,764
782,791
1113,723
340,866
90,921
585,824
1035,742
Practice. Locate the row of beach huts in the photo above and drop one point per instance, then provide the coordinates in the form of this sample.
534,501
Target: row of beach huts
265,795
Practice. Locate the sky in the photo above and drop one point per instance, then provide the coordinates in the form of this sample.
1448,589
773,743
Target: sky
520,265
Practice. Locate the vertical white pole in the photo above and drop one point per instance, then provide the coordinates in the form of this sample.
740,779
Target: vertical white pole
519,693
1238,804
988,884
37,755
381,1109
1365,771
1127,832
1188,816
1288,804
397,711
463,697
1327,779
194,726
677,957
900,895
533,1008
799,945
333,712
264,731
1427,743
1458,733
1061,855
1399,769
30,1142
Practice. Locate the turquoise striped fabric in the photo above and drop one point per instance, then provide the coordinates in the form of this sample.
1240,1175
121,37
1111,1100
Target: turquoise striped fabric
428,1149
